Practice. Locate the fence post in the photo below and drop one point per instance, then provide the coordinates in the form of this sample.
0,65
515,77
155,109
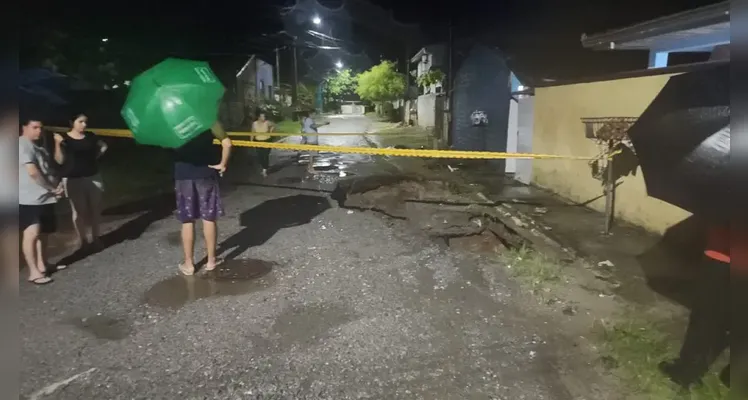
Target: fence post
610,195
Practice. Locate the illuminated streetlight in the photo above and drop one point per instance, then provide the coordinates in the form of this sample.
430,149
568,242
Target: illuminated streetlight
105,40
339,64
317,20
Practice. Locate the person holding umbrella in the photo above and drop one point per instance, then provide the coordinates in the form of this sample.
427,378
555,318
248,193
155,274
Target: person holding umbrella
682,142
709,323
175,105
196,173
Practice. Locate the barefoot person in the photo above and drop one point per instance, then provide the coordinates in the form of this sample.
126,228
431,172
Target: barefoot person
261,126
38,190
78,152
196,172
309,126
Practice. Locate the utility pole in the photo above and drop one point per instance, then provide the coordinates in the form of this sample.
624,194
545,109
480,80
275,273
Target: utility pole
277,72
406,101
295,88
450,85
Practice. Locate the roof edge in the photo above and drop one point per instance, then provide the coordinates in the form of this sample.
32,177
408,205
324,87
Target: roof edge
676,69
689,19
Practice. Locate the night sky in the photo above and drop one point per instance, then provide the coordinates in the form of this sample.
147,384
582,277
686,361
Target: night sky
541,37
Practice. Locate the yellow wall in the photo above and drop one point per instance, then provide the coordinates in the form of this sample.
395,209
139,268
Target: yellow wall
558,129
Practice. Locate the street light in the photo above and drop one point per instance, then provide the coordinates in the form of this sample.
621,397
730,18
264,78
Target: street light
339,64
316,20
105,40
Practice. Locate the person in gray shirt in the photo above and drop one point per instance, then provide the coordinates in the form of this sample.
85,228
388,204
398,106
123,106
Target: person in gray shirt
38,191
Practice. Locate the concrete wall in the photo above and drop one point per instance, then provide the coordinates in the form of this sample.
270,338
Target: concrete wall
512,136
526,111
426,110
558,130
352,109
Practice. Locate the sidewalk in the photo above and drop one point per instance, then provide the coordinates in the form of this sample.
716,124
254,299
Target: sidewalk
644,266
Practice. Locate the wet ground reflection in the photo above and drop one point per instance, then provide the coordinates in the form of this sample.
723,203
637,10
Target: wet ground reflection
104,327
232,278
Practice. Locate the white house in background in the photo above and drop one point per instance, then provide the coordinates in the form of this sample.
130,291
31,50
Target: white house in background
698,30
255,79
253,86
429,58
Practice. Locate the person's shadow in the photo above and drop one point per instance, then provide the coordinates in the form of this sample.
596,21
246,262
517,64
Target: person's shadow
263,221
672,266
151,209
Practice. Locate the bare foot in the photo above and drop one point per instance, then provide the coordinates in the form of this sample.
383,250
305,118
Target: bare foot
187,269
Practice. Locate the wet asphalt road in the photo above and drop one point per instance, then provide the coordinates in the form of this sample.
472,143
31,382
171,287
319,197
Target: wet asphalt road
319,303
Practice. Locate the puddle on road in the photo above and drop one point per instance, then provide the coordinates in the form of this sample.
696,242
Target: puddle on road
104,327
232,278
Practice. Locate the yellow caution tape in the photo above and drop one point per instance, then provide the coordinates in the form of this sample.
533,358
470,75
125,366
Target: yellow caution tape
483,155
478,155
124,133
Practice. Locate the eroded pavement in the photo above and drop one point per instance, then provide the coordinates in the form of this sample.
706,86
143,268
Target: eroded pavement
319,302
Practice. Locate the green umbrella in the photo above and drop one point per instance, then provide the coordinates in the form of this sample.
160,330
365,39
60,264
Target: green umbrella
171,103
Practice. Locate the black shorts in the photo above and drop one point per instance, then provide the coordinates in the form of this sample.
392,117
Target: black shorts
44,215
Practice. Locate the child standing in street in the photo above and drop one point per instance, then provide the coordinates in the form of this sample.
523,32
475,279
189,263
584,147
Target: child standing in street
310,127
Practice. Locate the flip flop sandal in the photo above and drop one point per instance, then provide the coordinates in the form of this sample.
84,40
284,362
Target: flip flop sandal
219,261
42,280
186,271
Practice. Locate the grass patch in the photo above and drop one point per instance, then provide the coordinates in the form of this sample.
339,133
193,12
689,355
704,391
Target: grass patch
635,346
288,126
411,137
533,269
372,115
